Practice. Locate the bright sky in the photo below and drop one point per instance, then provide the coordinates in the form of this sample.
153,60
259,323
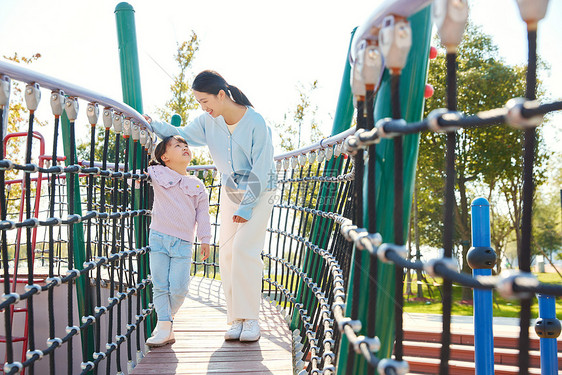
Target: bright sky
265,48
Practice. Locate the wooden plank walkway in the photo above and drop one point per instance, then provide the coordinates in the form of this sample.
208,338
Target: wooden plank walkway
200,348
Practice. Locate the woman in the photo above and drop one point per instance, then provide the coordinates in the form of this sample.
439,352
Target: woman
241,146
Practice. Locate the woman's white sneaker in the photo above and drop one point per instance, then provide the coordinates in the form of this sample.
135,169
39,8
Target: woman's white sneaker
235,330
250,331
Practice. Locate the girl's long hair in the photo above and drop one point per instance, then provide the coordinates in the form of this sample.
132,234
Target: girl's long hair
211,82
161,148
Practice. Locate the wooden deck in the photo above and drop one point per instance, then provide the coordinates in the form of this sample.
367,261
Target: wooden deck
200,347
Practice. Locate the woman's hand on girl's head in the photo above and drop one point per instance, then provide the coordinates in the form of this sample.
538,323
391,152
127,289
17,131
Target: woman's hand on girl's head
238,219
205,250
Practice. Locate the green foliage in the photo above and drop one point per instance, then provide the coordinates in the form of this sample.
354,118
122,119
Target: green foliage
182,100
546,231
500,231
303,117
547,222
488,159
83,149
298,129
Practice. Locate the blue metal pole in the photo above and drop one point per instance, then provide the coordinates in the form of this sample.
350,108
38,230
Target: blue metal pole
483,330
549,352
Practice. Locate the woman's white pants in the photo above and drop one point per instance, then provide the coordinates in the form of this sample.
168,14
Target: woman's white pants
240,246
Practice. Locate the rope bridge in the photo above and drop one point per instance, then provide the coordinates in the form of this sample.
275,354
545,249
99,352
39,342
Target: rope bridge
334,255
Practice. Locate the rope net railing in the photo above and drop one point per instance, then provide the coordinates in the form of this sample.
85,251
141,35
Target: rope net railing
309,259
74,252
79,224
314,275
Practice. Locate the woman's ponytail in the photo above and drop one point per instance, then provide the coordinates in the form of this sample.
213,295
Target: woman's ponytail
238,96
211,82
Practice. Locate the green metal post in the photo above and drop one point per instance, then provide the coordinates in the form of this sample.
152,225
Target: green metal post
412,86
342,122
128,55
131,87
130,76
85,305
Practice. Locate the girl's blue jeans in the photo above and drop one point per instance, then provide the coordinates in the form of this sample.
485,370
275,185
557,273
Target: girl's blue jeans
170,263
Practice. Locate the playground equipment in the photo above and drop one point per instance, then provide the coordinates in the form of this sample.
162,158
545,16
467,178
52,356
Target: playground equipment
482,259
332,247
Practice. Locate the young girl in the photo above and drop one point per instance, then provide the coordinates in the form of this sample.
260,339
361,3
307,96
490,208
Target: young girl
242,149
181,204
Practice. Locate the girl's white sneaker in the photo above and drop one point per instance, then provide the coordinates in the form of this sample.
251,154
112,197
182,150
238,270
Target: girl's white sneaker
155,330
163,335
234,331
251,330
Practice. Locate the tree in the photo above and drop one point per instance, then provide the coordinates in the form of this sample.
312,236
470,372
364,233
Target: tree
487,159
546,233
290,131
500,232
298,129
547,228
182,101
83,147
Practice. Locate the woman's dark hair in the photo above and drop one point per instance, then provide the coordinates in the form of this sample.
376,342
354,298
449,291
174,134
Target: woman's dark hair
211,82
162,147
